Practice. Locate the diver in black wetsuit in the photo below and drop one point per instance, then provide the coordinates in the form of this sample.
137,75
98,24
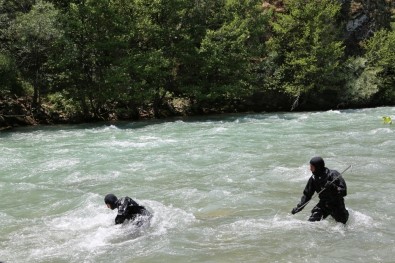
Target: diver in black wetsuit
128,209
331,199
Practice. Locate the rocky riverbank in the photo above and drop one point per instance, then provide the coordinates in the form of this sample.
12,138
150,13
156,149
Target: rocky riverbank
18,112
15,112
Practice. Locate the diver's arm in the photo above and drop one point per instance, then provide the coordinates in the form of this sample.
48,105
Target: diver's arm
122,211
307,194
340,184
119,219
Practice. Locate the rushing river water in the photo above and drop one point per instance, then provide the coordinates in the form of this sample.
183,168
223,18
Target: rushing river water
221,189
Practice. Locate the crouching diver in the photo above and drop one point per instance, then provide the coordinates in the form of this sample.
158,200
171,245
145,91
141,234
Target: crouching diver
128,209
331,199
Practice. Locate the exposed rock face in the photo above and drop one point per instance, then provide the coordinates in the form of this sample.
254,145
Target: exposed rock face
15,112
367,16
363,16
357,23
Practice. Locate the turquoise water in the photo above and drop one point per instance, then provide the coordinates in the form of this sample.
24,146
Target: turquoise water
221,189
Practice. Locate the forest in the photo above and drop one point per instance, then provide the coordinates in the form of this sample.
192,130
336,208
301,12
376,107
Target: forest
67,61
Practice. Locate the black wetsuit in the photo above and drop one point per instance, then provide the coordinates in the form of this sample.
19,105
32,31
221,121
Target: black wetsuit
129,209
331,200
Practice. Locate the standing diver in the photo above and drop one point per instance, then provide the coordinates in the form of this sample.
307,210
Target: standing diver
331,199
127,209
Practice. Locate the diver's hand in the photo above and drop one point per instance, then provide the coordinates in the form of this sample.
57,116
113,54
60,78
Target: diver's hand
295,210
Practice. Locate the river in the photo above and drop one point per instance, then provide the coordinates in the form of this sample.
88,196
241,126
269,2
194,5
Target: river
221,189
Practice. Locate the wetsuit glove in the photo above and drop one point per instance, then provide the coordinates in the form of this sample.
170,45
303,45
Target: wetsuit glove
119,219
295,210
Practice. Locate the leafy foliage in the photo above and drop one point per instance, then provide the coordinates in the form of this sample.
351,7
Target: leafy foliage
32,35
227,53
307,48
380,55
97,58
361,82
8,77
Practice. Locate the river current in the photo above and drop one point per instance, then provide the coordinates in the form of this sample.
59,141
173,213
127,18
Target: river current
221,189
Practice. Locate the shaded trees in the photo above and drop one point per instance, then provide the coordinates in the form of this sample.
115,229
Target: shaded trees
31,36
90,66
307,51
230,53
380,55
9,83
99,59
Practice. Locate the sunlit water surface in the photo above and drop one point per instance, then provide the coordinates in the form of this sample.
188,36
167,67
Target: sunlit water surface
221,189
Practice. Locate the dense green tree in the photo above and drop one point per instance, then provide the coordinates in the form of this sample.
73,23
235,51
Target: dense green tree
198,18
9,10
361,82
306,51
96,57
89,67
31,41
225,62
12,8
380,55
158,47
9,83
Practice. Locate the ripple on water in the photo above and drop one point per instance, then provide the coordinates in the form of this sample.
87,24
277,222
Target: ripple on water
87,229
220,188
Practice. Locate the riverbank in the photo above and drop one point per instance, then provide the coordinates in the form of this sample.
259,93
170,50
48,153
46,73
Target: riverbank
18,112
